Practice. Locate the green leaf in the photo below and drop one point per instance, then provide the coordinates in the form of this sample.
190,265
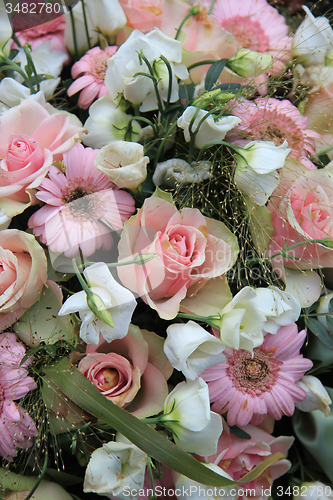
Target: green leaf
236,431
83,393
159,193
320,331
260,224
186,93
214,72
329,322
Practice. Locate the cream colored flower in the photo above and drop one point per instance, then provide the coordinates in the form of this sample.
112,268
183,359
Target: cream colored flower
124,163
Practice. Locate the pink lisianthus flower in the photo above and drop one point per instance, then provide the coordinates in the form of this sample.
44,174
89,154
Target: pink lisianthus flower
238,456
129,371
82,206
257,26
251,387
16,426
53,30
89,73
31,137
268,119
190,250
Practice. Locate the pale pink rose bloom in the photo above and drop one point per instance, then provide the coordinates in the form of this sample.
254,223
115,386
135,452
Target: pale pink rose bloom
82,208
238,456
89,74
202,36
302,209
251,387
16,427
23,272
190,249
132,372
268,119
53,30
31,137
143,15
257,26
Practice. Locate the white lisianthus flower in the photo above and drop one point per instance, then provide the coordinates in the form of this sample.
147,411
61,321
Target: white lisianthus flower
116,468
187,414
47,62
80,31
106,16
323,307
175,170
209,130
114,298
124,163
256,169
121,76
13,92
316,398
248,63
190,349
280,308
191,490
314,491
5,30
107,123
313,40
241,324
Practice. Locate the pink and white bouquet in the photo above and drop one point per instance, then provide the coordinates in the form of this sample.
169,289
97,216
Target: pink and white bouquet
166,250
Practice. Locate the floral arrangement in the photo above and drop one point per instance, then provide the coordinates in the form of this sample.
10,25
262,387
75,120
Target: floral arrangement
166,246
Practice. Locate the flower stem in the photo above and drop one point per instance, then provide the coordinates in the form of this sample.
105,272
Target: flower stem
86,22
193,11
74,32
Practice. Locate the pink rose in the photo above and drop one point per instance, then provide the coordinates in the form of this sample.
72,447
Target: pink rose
143,15
190,249
53,30
31,138
302,210
23,272
238,456
129,371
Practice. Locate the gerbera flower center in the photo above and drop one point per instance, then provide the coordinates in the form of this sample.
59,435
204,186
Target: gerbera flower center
248,33
253,375
270,126
100,66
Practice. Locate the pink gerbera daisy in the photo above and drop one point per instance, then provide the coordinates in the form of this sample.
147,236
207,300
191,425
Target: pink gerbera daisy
251,387
91,70
16,426
256,25
268,119
82,206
